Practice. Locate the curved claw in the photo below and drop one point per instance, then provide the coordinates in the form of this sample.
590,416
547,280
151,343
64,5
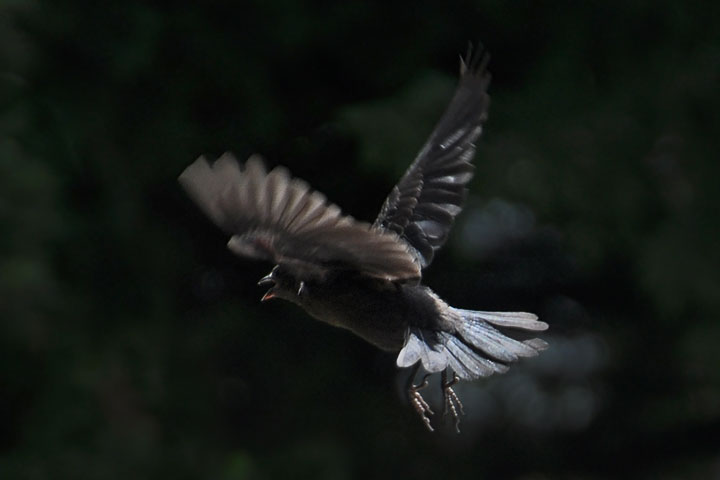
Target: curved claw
452,402
419,404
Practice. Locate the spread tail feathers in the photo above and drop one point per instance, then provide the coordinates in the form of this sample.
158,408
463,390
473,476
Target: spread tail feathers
476,349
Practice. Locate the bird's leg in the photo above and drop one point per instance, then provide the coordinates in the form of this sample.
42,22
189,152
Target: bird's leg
452,402
416,400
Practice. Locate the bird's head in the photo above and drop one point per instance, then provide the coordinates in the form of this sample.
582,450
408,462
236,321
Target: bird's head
282,285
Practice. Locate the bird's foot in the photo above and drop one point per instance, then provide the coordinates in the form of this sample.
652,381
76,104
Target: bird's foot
453,405
419,403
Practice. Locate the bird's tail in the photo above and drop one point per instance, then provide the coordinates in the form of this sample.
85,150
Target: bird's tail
477,348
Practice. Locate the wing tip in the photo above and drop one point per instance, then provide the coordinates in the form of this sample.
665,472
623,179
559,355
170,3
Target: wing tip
474,63
200,165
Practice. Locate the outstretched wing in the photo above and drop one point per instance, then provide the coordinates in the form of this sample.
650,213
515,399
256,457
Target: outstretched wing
422,206
274,217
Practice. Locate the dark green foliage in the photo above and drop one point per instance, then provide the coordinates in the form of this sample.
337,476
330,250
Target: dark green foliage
133,345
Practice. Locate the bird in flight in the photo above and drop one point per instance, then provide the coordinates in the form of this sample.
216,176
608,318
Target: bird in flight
367,277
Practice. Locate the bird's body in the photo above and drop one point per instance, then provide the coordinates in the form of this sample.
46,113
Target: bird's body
378,311
375,311
366,278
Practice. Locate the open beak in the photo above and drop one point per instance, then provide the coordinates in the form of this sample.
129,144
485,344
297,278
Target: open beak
266,281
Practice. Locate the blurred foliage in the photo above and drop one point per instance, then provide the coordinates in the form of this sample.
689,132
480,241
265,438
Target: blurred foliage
133,344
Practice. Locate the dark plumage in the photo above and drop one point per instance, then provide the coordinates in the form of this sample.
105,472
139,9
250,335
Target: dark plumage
366,278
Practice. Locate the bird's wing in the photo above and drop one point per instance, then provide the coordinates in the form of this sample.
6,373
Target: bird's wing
274,217
422,206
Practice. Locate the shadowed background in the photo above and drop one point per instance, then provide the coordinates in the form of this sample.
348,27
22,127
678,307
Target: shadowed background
133,344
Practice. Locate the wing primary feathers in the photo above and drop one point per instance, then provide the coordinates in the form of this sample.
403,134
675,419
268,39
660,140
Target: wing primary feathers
272,216
431,193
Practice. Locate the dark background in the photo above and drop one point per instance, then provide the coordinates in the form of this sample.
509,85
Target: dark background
133,344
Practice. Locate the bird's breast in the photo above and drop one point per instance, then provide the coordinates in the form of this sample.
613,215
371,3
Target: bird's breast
377,315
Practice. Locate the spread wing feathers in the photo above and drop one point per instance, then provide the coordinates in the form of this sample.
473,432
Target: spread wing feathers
278,218
422,206
477,349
